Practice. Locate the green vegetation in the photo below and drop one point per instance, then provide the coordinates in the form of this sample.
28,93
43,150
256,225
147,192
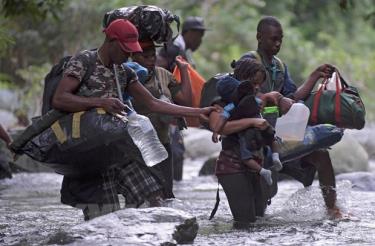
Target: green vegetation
35,33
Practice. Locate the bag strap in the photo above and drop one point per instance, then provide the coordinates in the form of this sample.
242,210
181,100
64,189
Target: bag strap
337,99
340,83
176,18
214,210
316,100
158,83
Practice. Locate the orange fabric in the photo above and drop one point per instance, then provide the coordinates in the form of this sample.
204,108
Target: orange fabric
197,82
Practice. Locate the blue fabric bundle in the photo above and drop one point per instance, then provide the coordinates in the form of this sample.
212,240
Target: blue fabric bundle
316,137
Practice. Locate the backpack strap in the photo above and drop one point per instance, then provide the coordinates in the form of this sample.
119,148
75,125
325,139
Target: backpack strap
214,210
259,59
278,60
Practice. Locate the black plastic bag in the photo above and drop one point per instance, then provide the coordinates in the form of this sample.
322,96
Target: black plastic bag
83,143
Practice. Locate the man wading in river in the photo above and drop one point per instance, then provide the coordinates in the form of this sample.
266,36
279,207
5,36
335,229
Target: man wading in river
280,87
98,195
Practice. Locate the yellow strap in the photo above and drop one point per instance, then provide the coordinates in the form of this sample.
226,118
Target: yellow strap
59,133
76,124
100,111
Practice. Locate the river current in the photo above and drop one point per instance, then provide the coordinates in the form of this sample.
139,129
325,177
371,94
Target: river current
30,211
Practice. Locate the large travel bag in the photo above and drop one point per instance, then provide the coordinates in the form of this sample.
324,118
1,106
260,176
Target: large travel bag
342,107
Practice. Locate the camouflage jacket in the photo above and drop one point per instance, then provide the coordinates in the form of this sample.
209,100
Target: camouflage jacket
102,81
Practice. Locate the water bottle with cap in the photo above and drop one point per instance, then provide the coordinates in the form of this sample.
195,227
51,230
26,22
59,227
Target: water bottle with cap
145,138
292,125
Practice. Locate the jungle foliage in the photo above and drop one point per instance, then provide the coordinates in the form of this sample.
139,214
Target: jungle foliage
34,34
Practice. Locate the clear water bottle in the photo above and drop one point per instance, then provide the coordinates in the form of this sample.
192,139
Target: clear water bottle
146,139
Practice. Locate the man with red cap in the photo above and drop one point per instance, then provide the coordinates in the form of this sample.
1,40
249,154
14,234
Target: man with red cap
98,195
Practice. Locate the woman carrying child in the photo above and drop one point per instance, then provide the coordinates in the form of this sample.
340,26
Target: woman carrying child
240,166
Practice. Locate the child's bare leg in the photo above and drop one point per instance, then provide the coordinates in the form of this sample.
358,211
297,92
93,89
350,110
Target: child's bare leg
266,174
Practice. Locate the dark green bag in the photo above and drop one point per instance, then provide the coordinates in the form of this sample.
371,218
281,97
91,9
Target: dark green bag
342,107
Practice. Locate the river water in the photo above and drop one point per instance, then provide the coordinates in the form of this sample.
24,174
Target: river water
30,211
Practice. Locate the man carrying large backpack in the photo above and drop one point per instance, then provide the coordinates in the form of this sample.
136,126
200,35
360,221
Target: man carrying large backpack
193,30
97,195
281,89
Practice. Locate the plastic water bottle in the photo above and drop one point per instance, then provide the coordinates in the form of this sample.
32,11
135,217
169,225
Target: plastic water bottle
146,139
292,125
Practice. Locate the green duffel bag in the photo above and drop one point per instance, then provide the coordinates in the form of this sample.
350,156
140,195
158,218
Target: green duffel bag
342,107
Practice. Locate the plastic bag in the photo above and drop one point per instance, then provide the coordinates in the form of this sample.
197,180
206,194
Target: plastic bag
197,82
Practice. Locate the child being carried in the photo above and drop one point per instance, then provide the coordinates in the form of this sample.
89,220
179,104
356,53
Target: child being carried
238,92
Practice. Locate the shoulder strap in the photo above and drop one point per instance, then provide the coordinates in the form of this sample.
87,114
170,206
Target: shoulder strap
259,58
278,60
157,79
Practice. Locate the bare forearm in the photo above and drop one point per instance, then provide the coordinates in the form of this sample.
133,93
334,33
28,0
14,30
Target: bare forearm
218,127
237,126
305,89
162,107
230,126
142,95
72,103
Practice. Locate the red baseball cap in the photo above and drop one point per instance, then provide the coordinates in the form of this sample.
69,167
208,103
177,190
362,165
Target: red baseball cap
125,33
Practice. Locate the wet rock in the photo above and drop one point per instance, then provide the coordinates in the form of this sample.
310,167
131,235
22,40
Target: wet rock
151,226
7,119
363,181
208,167
349,156
198,143
60,238
9,100
366,137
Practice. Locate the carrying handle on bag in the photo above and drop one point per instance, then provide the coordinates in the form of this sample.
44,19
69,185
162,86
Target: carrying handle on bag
340,87
339,84
316,100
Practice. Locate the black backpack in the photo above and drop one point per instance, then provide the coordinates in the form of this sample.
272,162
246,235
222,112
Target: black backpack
53,78
209,93
151,21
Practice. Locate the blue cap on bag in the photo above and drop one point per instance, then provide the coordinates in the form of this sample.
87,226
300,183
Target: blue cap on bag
141,71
